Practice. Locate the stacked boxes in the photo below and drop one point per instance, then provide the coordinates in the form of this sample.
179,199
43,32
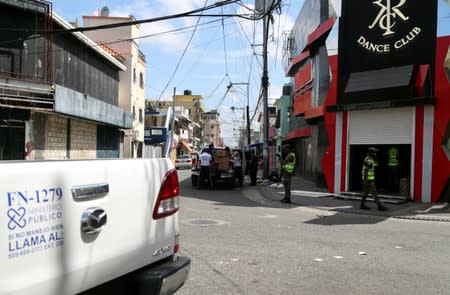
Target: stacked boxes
222,159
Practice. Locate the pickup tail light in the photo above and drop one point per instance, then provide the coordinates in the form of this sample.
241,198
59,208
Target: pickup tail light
167,202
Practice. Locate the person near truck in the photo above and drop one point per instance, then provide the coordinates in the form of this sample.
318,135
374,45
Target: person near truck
393,164
368,176
253,168
237,167
288,166
28,150
205,168
277,176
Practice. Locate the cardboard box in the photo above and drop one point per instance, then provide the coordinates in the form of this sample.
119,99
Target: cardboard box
223,163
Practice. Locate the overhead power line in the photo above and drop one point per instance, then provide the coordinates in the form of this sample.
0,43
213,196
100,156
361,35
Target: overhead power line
181,57
149,20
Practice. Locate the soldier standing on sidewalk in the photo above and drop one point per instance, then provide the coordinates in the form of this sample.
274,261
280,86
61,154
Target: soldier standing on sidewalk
368,176
288,165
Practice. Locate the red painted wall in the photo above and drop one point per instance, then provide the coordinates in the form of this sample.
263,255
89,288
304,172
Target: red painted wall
302,102
330,123
441,164
418,157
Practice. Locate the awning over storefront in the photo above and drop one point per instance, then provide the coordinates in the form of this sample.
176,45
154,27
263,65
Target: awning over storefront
296,63
185,146
301,132
255,144
318,37
384,84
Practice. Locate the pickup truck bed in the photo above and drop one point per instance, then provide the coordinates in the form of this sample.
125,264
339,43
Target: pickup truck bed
70,226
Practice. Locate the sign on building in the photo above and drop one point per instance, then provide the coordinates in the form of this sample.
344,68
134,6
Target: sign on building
383,34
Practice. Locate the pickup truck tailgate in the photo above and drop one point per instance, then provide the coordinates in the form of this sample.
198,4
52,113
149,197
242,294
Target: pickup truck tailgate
46,247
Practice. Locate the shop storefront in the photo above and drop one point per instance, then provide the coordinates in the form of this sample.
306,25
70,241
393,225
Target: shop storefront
388,98
386,130
387,87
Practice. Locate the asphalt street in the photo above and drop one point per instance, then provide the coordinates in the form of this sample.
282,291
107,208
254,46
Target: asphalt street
241,242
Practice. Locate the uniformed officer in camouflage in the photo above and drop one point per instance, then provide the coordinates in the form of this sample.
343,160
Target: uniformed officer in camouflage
368,176
288,166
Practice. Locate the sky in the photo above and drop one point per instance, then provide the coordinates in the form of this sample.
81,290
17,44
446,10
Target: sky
205,58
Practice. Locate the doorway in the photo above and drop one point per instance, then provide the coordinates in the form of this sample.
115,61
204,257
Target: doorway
12,140
387,181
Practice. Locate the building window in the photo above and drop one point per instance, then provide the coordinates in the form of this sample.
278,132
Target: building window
212,127
141,118
134,112
134,75
141,80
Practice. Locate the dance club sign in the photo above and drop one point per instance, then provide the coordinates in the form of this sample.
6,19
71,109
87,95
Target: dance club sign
378,34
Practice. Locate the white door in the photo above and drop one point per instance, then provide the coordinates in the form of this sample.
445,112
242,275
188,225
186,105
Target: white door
382,126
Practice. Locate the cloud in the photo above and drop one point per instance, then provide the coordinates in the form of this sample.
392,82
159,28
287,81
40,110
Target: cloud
142,9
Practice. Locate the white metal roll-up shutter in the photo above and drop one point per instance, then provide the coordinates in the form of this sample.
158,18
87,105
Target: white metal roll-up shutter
382,126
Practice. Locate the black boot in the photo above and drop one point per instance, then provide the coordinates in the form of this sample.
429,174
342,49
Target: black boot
364,207
286,200
381,208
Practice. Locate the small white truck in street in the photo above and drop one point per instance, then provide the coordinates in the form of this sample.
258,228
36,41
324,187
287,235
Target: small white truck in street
91,227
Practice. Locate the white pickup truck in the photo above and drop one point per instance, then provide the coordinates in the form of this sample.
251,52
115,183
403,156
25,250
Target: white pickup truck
91,227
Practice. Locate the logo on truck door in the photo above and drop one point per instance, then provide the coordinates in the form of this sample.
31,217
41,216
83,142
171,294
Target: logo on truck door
34,220
17,218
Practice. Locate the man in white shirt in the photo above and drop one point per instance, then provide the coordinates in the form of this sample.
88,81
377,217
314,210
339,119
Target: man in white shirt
205,168
237,166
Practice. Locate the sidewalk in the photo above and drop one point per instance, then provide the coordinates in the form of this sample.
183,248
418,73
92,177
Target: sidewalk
305,193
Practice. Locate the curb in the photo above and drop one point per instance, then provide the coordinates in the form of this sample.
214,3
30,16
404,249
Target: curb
265,191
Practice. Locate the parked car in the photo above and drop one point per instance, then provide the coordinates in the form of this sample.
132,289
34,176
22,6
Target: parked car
195,161
183,162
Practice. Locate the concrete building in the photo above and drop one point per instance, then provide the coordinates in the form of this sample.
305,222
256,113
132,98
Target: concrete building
59,92
211,130
131,85
194,105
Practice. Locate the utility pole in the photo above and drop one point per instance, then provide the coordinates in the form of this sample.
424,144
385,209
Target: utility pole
265,85
173,123
249,140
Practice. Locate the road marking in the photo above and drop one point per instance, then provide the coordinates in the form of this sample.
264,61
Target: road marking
362,253
318,259
338,257
398,247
